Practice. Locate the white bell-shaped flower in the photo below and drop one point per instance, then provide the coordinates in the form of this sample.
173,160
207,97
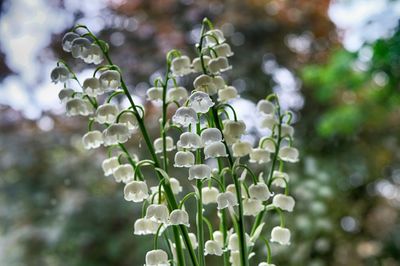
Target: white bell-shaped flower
178,217
60,74
215,150
129,120
80,47
286,130
158,144
110,80
260,191
78,106
158,213
234,258
218,65
266,264
67,40
226,199
227,93
260,156
223,49
197,64
144,226
157,257
193,240
280,235
289,154
94,55
279,179
177,94
181,66
199,171
214,36
219,82
200,102
184,159
91,86
175,185
92,139
234,129
124,173
268,122
136,191
205,84
252,207
109,165
212,247
115,134
155,94
65,95
219,237
268,144
106,113
232,188
185,116
209,194
266,107
283,202
233,242
211,135
190,141
241,148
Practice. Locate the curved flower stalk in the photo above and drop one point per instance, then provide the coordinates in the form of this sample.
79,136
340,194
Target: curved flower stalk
208,133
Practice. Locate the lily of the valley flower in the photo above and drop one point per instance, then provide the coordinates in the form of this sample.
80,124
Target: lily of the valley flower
260,191
241,148
92,139
106,113
279,179
200,102
190,141
67,40
158,213
60,74
215,150
181,66
197,64
205,84
234,129
287,130
227,93
199,171
268,121
109,165
185,116
184,159
91,86
78,106
144,226
158,144
80,47
212,247
210,195
175,185
223,49
110,79
155,94
157,257
289,154
218,65
226,199
129,120
266,264
283,202
94,55
260,156
65,95
124,173
115,134
233,243
178,217
252,207
211,135
268,145
280,235
177,94
266,107
136,191
214,36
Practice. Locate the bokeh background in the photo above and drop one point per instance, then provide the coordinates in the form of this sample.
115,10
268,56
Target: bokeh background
335,64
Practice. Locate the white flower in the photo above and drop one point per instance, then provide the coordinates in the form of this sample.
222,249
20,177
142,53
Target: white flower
65,95
200,102
110,80
260,156
124,173
219,82
80,47
129,120
157,257
136,191
177,94
193,240
227,93
155,94
234,258
241,148
268,144
181,66
280,235
158,144
184,159
289,154
209,194
211,135
190,141
185,116
266,107
265,264
197,65
94,55
106,113
92,139
252,207
233,243
218,65
214,36
67,40
109,165
219,237
232,188
260,191
144,226
175,185
268,121
212,247
223,49
158,213
91,86
279,179
205,84
178,217
199,171
214,150
283,202
78,107
60,74
286,130
226,199
115,134
234,129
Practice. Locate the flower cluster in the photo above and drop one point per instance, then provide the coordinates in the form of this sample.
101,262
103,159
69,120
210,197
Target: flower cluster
210,150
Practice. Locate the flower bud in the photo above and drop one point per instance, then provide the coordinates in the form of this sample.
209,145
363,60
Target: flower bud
109,165
80,47
279,179
157,257
110,80
226,199
199,171
60,74
259,155
280,235
129,120
91,86
144,226
200,102
158,213
67,40
136,191
283,202
106,113
124,173
185,116
211,135
92,139
266,107
214,150
94,55
155,94
268,121
177,94
209,195
158,144
197,65
205,84
184,159
241,148
178,217
214,36
115,134
260,191
227,93
223,50
65,95
212,247
218,65
252,207
78,107
180,66
234,129
289,154
190,141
